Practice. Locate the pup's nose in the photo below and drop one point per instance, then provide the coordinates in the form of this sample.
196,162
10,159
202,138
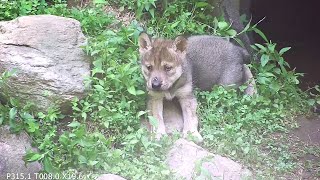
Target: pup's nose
156,83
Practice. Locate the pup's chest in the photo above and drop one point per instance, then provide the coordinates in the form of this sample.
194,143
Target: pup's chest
179,93
168,95
165,94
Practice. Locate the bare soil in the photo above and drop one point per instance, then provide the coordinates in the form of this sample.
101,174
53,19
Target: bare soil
309,130
304,143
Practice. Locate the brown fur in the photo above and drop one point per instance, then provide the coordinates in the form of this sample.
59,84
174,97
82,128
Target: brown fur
155,57
172,67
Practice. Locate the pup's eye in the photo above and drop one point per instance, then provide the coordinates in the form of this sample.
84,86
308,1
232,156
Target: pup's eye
167,68
149,67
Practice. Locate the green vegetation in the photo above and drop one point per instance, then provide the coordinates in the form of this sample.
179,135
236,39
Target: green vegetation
104,133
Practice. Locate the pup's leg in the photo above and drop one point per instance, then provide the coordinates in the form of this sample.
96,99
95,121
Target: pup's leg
155,105
172,116
189,111
251,89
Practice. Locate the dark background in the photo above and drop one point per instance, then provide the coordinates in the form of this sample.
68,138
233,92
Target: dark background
296,24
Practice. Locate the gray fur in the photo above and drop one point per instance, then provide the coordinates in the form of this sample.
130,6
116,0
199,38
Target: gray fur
201,61
215,61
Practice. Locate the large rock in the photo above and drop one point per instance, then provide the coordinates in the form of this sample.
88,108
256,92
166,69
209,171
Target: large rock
189,161
50,63
12,149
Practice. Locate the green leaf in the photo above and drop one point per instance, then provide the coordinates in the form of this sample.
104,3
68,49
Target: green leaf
97,63
12,72
175,24
99,2
74,124
268,74
41,115
223,25
63,139
246,150
261,47
140,113
275,86
311,102
205,173
283,50
84,115
82,159
106,124
32,127
134,141
99,87
35,157
27,117
201,4
145,142
254,47
139,92
247,27
261,34
165,172
121,8
239,41
80,132
277,70
271,47
262,80
132,90
12,113
153,121
48,167
147,6
92,163
232,32
264,59
151,11
94,52
153,3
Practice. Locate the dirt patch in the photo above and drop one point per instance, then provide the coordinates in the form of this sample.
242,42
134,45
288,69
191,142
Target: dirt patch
124,16
309,130
305,145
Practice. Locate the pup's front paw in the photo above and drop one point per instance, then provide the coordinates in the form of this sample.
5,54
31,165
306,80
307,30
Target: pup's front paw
195,134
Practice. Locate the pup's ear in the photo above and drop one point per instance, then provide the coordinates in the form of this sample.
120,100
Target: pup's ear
144,43
180,44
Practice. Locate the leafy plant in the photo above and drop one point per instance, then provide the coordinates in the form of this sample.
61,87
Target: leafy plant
11,9
315,98
145,5
5,76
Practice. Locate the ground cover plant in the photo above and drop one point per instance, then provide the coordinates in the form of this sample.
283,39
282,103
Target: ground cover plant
103,134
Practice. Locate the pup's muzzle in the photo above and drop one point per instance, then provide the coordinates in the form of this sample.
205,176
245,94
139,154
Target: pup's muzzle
156,84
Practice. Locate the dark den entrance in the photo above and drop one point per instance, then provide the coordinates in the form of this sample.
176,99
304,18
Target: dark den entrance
296,24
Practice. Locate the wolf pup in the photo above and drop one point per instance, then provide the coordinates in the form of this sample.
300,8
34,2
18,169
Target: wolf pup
172,67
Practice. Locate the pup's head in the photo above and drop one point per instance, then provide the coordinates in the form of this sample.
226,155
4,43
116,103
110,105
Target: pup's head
161,61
